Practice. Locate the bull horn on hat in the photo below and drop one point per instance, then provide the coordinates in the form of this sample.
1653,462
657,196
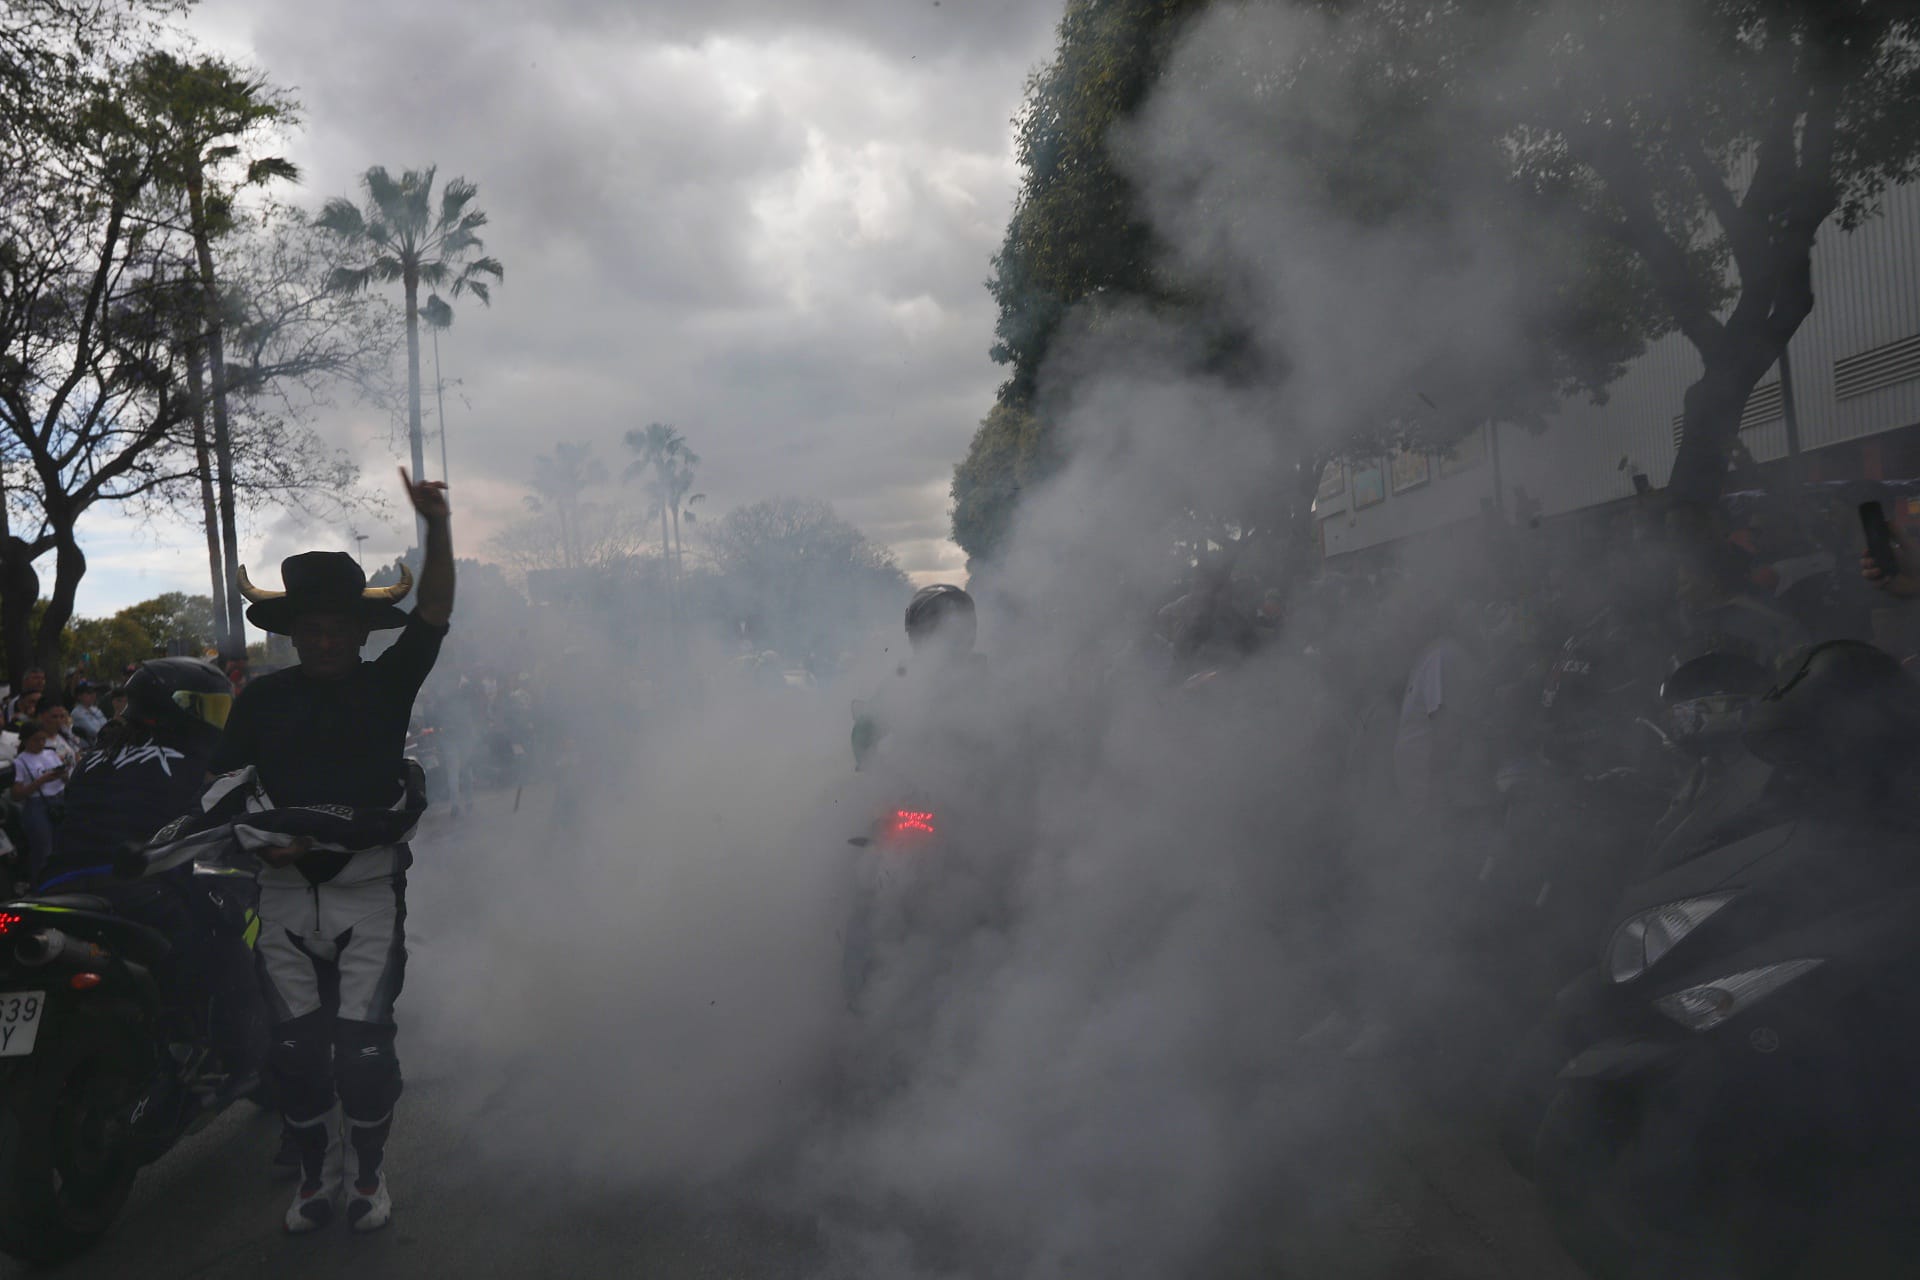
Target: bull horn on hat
254,594
395,593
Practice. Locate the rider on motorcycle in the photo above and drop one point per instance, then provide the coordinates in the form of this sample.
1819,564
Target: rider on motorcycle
941,627
148,769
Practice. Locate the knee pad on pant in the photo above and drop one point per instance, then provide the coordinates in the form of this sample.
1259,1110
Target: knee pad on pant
301,1063
368,1069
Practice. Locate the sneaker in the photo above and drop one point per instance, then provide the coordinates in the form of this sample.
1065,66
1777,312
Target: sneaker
369,1210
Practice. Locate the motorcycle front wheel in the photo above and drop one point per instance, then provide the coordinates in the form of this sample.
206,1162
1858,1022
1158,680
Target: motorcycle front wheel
67,1156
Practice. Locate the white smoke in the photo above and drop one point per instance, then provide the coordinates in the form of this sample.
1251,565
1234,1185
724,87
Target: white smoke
1094,1078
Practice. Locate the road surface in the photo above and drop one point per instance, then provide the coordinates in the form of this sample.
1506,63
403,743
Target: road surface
1422,1197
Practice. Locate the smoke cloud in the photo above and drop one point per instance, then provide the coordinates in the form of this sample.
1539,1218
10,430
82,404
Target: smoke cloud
1085,1061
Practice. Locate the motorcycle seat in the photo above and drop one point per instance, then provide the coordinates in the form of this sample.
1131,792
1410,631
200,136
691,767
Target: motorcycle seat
75,901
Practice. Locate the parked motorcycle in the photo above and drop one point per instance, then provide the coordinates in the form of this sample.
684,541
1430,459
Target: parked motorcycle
1748,1043
91,1085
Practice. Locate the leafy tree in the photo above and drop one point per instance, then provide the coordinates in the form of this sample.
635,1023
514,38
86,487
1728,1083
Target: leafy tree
565,528
1077,229
402,235
1077,237
104,646
176,616
1009,455
92,402
1702,146
800,580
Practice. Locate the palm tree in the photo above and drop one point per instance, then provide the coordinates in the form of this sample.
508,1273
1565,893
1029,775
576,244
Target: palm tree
439,316
402,235
661,450
197,114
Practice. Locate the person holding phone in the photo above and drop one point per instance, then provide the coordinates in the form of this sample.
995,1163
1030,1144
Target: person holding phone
39,779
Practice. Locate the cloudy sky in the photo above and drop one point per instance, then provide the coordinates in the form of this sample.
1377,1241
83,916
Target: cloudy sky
765,221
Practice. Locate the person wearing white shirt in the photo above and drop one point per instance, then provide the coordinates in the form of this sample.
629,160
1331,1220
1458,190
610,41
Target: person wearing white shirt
39,778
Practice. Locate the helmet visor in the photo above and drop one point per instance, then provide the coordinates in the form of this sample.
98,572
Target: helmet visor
210,707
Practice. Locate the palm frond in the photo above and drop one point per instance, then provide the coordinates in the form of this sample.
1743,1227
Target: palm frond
485,267
475,288
454,199
349,279
437,313
383,193
342,218
268,168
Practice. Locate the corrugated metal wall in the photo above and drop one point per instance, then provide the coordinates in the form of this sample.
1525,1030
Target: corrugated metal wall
1867,295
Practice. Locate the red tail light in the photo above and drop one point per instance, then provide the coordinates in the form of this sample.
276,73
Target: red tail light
907,826
9,921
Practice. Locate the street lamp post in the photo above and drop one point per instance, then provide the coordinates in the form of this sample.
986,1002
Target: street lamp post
359,559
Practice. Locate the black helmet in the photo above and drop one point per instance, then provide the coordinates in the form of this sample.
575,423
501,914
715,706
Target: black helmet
1846,710
179,696
1711,696
933,608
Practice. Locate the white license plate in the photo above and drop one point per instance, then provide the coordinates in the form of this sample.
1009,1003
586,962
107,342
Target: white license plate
20,1021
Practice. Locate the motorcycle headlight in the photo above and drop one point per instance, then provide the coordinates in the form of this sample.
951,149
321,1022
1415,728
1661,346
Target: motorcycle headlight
1705,1007
1639,944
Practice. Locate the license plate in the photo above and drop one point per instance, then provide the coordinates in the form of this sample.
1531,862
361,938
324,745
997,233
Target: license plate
20,1021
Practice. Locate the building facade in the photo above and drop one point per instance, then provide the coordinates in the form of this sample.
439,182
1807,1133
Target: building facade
1855,373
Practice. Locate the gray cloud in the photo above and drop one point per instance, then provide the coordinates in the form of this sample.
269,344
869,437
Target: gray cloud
766,223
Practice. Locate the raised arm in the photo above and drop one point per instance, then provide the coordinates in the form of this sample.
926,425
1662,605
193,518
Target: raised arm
434,601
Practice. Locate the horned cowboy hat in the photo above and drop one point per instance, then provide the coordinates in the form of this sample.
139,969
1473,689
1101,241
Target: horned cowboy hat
325,582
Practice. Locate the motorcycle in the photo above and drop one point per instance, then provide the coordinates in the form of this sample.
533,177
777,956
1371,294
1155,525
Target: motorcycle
92,1087
897,841
1748,1037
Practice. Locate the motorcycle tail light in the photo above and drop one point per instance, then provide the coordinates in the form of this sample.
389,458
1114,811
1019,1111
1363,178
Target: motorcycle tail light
9,921
909,826
85,981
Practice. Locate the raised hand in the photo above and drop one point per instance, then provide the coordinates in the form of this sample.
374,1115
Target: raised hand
429,497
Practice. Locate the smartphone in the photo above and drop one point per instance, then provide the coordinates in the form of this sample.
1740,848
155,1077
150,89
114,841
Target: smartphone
1873,523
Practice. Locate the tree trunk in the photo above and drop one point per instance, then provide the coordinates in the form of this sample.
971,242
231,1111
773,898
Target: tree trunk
210,515
666,546
415,443
234,642
70,565
19,590
679,557
1710,423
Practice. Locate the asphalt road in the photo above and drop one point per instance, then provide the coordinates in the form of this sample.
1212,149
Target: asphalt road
1385,1187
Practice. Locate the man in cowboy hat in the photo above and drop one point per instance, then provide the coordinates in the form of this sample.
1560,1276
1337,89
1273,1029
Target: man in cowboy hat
331,731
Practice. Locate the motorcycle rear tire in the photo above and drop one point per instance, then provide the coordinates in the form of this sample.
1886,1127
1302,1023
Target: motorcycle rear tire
67,1158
